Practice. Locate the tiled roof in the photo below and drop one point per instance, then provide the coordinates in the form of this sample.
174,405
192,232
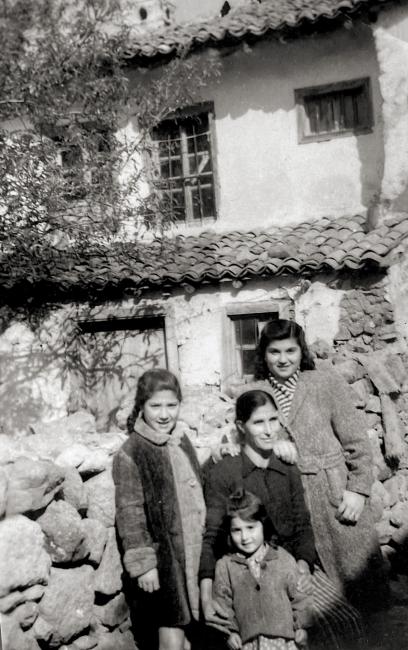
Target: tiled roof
301,249
253,19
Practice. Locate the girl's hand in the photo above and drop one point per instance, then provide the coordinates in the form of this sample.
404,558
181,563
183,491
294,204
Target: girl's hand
234,641
149,581
301,637
226,449
286,451
351,507
304,582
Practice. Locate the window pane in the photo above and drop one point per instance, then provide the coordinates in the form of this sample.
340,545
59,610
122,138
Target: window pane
248,331
248,362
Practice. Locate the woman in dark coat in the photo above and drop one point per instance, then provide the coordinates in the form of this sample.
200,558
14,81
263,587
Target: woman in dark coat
333,454
279,486
160,509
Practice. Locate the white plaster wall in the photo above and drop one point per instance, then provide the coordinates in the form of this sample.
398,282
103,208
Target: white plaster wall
318,311
264,176
391,38
397,289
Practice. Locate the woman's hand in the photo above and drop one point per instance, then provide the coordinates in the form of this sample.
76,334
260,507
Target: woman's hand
225,449
213,612
286,451
351,507
234,641
301,637
149,581
304,582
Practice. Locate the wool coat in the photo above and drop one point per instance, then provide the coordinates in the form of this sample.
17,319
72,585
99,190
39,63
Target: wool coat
149,521
270,605
330,434
280,489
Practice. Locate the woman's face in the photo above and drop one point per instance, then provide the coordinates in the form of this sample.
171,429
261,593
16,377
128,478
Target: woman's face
247,536
262,429
161,411
283,357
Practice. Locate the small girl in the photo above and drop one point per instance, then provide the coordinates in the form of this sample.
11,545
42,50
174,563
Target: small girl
160,509
256,584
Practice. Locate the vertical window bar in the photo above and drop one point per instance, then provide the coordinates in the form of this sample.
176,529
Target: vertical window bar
200,197
186,171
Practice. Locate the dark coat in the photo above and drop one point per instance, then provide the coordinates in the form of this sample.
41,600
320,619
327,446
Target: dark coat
334,455
278,486
270,605
149,522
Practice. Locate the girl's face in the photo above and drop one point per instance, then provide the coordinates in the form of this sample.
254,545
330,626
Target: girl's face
161,411
283,357
247,536
261,430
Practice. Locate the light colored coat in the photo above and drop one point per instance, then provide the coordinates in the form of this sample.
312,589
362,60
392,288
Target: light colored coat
334,455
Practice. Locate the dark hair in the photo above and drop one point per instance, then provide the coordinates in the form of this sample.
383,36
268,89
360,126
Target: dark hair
277,330
248,507
148,383
251,400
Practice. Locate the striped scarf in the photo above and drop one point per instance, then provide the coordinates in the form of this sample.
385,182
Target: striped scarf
283,392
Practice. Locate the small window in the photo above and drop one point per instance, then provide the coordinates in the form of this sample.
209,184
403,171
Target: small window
185,166
247,330
334,110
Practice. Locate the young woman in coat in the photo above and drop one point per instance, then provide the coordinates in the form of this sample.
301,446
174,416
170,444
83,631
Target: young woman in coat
160,510
331,448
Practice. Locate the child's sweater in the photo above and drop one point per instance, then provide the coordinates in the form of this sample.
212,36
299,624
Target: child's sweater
270,605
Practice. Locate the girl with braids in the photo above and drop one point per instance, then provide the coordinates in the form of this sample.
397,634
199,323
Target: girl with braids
160,510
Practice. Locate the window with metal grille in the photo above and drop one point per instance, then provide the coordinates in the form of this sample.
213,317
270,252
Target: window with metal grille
185,166
248,329
334,110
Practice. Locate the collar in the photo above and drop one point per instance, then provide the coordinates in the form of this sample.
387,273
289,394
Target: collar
147,432
270,554
289,384
274,464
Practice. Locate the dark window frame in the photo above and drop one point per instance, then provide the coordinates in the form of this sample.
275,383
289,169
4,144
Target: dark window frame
190,180
337,94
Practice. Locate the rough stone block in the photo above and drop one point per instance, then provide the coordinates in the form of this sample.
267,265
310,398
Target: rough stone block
395,489
95,539
399,514
400,535
356,328
13,637
15,598
62,527
73,456
101,498
86,642
26,614
363,388
76,424
343,333
108,576
73,490
94,462
113,612
23,558
351,370
378,491
32,484
67,604
3,492
373,404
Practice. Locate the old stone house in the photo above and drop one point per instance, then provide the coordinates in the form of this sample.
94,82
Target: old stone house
288,183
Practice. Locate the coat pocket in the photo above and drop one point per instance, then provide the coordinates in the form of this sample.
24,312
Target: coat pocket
336,483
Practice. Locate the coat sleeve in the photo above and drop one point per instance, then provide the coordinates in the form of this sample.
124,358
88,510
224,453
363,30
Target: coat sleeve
351,430
302,604
216,492
302,543
222,594
139,552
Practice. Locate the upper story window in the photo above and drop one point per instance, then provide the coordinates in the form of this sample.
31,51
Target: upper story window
332,110
185,165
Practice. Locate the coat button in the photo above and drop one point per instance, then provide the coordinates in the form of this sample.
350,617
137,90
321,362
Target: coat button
192,482
258,587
